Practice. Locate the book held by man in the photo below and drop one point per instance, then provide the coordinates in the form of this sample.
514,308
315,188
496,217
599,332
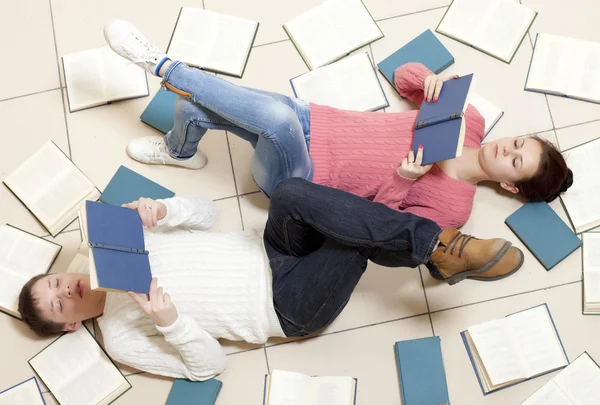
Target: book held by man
577,384
160,112
495,27
348,84
212,41
590,262
25,393
331,31
51,187
287,387
514,349
566,67
185,392
127,186
98,76
77,371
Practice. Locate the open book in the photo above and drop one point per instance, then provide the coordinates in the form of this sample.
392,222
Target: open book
212,41
490,112
22,256
289,388
331,31
26,393
496,27
577,384
78,372
521,346
565,67
591,273
349,84
99,76
582,199
51,187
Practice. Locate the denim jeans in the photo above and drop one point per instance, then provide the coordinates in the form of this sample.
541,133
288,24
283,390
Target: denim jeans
276,126
319,239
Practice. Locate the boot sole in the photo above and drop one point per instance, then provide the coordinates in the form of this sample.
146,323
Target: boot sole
464,274
503,275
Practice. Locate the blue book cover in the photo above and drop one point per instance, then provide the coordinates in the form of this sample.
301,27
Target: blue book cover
421,372
185,392
116,238
160,113
543,232
127,186
439,126
425,48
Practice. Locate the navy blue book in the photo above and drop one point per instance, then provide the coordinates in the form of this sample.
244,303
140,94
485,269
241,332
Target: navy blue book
118,258
28,389
127,186
421,372
185,392
425,49
543,232
440,126
160,112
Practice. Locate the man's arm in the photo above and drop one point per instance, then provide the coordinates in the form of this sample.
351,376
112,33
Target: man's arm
191,212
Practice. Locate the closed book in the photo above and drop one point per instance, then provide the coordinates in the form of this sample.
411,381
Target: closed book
185,392
421,372
543,232
160,113
425,49
440,126
127,186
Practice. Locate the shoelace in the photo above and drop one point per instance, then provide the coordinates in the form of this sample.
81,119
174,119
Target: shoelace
159,149
141,48
461,240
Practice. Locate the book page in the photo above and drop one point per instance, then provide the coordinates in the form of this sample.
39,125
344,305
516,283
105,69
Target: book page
26,393
536,341
24,253
591,267
76,370
288,388
551,65
332,391
349,84
84,79
463,18
549,394
584,83
581,381
122,79
490,113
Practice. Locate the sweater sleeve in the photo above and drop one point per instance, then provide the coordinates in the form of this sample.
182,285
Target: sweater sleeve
190,212
393,191
409,78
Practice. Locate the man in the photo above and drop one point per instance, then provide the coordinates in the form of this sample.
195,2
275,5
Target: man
293,281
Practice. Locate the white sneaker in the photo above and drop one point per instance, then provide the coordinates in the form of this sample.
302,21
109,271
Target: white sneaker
153,150
128,42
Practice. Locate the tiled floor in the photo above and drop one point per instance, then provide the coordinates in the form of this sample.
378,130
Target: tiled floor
388,304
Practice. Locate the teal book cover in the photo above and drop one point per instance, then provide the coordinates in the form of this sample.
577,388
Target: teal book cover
160,113
127,186
185,392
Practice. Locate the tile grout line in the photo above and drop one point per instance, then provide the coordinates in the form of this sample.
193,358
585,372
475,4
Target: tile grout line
60,233
267,359
203,5
237,196
271,43
30,94
413,13
426,300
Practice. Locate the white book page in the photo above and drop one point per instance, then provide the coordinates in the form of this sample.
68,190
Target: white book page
591,267
463,18
350,84
582,199
23,394
581,381
495,347
76,370
85,79
10,287
490,112
584,83
552,64
332,391
288,388
549,394
79,264
122,79
536,341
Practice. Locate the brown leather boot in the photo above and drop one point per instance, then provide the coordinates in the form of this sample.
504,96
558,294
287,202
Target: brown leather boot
460,256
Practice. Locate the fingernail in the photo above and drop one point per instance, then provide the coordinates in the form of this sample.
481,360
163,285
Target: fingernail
420,146
434,99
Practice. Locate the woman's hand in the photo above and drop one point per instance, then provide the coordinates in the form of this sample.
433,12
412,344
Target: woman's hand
158,306
150,211
432,86
411,168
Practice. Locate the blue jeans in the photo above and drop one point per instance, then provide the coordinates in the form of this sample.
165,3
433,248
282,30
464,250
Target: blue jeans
276,126
319,239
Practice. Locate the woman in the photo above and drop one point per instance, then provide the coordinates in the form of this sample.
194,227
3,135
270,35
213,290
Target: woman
365,153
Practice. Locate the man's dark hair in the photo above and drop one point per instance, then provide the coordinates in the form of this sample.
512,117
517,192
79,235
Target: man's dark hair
31,314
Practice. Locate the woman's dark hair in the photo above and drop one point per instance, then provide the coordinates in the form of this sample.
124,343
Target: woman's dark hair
552,178
31,314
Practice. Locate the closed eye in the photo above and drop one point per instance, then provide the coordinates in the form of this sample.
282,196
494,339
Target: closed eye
515,162
60,305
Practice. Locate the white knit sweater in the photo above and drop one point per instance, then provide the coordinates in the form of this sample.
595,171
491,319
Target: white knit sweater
220,284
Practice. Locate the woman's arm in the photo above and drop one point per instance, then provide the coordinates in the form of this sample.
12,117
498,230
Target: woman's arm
409,80
393,191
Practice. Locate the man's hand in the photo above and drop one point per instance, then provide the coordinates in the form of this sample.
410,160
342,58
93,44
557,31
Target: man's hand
432,86
411,168
158,306
150,211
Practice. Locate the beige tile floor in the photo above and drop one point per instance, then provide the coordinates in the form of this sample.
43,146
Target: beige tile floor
388,304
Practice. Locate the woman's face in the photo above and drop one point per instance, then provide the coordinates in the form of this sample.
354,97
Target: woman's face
510,160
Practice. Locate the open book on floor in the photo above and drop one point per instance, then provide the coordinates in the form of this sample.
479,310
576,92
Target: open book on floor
590,262
118,260
22,256
77,371
577,384
160,113
507,351
212,41
99,76
25,393
51,187
543,232
566,67
349,84
495,27
287,387
582,199
127,186
490,112
331,31
185,392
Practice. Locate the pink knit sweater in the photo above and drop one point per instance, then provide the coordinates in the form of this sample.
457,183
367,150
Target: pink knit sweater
359,152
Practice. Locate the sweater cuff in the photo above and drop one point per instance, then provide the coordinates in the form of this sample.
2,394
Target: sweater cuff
401,180
172,212
173,331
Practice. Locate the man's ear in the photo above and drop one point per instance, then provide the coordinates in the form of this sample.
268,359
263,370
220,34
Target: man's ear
71,327
510,188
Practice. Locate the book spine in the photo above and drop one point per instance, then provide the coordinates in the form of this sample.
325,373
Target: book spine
438,120
119,248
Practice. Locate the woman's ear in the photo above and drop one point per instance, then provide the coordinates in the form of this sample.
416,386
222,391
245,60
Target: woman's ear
71,327
509,187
